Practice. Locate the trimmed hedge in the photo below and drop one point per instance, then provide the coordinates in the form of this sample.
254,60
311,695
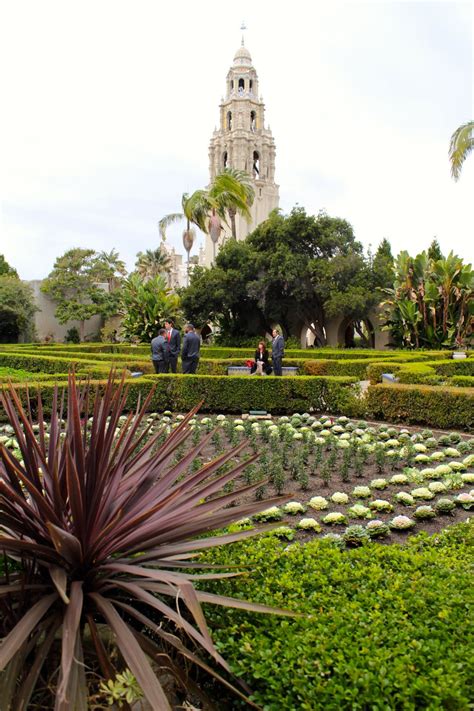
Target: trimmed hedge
233,394
381,627
436,406
462,381
421,372
50,364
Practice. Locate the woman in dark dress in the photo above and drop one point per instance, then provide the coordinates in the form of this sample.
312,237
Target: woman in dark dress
261,364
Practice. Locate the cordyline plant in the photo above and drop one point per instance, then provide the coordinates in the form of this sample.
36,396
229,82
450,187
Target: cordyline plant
101,522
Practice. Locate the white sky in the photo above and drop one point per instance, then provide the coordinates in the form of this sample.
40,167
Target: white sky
109,106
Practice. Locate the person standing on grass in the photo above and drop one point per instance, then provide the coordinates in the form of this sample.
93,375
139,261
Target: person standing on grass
174,344
160,352
190,352
278,351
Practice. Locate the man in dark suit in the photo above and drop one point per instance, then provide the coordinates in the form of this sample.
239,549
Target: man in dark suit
190,352
160,352
278,351
174,344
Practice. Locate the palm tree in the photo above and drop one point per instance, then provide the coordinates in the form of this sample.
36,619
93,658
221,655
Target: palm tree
152,263
462,143
113,266
196,208
233,192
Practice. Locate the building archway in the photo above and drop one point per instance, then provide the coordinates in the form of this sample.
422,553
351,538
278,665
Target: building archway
356,333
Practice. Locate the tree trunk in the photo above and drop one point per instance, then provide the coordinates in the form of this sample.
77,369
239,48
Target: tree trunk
232,214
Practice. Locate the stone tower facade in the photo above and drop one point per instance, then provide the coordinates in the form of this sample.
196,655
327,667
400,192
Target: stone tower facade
243,143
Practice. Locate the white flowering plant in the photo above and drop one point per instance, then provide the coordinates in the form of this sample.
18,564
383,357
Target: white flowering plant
361,492
424,512
401,523
399,479
319,503
444,506
309,524
335,518
359,511
381,505
422,493
355,535
404,498
378,484
293,508
274,513
464,500
377,529
437,487
339,497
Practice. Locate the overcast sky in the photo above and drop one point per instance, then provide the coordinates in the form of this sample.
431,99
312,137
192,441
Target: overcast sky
109,106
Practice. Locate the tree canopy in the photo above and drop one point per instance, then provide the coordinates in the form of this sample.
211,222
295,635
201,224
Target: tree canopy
6,269
295,270
75,285
17,310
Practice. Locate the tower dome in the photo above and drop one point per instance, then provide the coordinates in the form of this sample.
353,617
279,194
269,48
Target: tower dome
242,57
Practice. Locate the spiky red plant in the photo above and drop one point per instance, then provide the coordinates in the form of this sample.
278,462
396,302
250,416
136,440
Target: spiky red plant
101,524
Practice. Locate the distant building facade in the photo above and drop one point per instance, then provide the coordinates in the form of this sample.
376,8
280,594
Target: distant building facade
242,142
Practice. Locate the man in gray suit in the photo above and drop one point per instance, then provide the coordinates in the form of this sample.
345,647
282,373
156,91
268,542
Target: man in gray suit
159,352
278,351
174,344
190,352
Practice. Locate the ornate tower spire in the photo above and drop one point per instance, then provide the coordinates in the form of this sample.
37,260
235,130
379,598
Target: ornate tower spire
243,143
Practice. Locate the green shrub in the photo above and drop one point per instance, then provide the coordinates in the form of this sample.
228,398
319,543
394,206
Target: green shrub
436,406
382,627
462,381
233,394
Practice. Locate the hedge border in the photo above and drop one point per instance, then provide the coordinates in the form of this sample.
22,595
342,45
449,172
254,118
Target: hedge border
443,407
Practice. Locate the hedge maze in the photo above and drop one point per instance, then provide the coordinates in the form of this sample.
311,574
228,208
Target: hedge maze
432,388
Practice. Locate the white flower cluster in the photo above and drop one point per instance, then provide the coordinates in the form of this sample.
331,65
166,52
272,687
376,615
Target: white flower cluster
339,497
309,524
334,518
319,503
401,523
293,508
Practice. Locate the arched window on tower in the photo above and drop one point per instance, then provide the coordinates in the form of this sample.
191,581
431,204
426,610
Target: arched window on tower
224,160
250,85
256,165
229,120
253,121
241,85
232,85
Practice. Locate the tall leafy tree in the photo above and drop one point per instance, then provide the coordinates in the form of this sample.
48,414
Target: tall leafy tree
144,307
434,251
75,285
461,145
6,269
17,310
293,270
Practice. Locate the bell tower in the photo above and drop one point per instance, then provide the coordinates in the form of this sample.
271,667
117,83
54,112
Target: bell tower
243,143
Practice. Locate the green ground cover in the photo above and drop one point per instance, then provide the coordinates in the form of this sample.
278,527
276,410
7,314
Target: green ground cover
380,627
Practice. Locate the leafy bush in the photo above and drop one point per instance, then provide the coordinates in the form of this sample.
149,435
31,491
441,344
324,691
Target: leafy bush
382,627
436,406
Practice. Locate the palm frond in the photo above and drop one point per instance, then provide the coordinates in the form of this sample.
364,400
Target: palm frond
462,143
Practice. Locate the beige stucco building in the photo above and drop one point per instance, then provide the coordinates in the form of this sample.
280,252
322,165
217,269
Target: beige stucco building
242,142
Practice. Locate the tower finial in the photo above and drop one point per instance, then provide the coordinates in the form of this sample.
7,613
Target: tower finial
243,27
